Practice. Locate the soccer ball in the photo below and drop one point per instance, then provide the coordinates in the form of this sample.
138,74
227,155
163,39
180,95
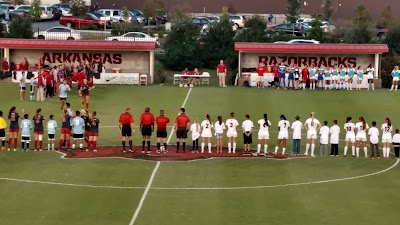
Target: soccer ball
162,148
191,85
180,85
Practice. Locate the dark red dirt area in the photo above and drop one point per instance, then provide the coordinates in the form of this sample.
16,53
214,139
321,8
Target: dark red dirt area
171,155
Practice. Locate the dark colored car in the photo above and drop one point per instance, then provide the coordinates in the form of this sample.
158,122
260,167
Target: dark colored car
87,20
57,13
200,21
288,29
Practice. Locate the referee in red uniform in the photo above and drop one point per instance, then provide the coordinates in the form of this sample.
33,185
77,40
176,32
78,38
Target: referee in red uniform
181,127
146,127
126,127
162,134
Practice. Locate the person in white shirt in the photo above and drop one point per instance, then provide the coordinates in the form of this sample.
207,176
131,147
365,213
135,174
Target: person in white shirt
324,139
296,127
349,126
334,131
370,76
247,126
373,133
231,133
386,138
283,135
32,92
195,129
263,134
219,128
206,133
22,86
312,127
396,143
361,137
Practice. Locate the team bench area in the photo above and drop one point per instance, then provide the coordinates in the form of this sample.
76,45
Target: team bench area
201,79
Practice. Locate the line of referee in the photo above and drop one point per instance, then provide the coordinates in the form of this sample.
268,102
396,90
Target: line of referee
126,127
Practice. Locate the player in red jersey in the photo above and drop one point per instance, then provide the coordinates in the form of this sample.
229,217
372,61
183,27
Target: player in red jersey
38,121
80,78
65,130
13,116
260,71
162,134
85,89
94,132
304,73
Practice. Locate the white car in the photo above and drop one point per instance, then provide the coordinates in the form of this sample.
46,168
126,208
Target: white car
298,41
237,20
117,15
46,14
133,36
58,33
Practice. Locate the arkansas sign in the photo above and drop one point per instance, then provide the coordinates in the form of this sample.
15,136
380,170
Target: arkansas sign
324,61
57,57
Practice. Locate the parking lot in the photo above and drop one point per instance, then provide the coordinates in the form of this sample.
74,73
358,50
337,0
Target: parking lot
44,25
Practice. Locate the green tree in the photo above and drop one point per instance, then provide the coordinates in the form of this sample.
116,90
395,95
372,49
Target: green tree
20,27
78,8
293,10
361,33
219,43
18,2
67,1
255,31
153,9
393,37
328,10
35,11
182,47
178,14
385,19
125,14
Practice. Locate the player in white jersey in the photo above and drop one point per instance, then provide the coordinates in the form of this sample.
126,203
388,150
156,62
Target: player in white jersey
206,133
312,127
283,135
373,133
219,128
349,126
263,134
370,76
386,137
231,132
361,137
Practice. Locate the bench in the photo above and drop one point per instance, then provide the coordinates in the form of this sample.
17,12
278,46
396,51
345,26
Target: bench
204,78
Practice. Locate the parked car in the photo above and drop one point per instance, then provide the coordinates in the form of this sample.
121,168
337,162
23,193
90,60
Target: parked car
6,26
287,29
4,14
87,20
299,41
139,15
17,12
237,20
133,36
304,20
57,13
117,15
200,21
58,33
47,14
326,26
65,8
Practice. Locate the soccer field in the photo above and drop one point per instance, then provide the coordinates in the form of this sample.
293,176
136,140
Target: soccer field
45,188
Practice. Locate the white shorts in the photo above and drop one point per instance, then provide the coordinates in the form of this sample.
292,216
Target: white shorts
351,138
396,79
370,76
342,78
361,137
312,134
347,77
263,136
312,77
261,79
360,78
327,78
386,139
283,135
231,134
334,77
206,134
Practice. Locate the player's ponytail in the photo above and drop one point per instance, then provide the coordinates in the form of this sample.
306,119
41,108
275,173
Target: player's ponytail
220,120
389,123
37,113
283,117
348,119
11,111
363,121
266,124
208,118
94,113
312,116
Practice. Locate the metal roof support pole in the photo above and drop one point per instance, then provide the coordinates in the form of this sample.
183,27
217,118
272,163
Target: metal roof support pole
376,65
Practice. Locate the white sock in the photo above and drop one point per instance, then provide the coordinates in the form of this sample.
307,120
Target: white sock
283,151
265,149
353,149
345,150
314,86
81,145
307,147
358,152
276,149
304,85
392,87
234,147
387,152
202,147
229,146
384,152
209,147
258,148
52,146
312,149
366,152
73,146
48,146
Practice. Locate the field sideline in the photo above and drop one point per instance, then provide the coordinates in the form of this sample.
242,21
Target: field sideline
323,190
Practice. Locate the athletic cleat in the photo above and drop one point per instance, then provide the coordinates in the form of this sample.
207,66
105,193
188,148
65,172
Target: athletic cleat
148,151
94,150
87,150
143,151
8,149
312,155
35,150
158,151
229,152
131,151
15,149
3,148
41,150
123,151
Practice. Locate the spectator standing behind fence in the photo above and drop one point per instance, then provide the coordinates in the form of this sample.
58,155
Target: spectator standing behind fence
221,72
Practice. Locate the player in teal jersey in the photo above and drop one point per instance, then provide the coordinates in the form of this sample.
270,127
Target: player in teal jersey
328,83
335,73
342,76
395,75
51,132
360,77
351,74
26,127
311,75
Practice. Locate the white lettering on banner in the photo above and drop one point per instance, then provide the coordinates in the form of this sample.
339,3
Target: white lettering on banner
324,61
58,57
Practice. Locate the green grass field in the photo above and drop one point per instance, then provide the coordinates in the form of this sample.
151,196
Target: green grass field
41,188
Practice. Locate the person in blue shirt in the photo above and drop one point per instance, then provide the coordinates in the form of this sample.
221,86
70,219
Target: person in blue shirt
395,75
342,76
351,73
51,132
327,78
335,73
321,72
282,75
311,75
360,77
32,91
291,76
64,88
26,127
78,128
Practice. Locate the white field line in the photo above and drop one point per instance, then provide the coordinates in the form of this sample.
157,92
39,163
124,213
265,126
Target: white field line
153,174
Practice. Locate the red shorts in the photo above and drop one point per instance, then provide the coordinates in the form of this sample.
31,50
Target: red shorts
14,130
87,131
38,132
84,96
65,131
93,134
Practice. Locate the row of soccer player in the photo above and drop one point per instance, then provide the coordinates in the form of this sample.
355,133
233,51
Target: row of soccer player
79,124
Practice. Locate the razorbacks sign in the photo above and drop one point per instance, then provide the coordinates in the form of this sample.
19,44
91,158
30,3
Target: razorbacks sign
58,57
324,61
